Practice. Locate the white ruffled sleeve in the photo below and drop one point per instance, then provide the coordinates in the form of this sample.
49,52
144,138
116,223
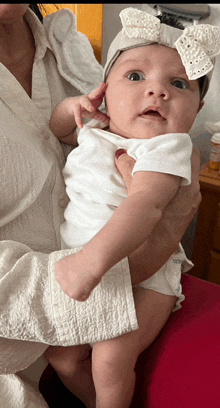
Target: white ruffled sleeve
74,54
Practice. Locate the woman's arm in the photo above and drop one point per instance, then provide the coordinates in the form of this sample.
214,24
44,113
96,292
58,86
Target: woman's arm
165,237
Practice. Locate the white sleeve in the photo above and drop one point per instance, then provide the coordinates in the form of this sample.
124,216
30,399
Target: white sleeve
33,306
74,54
170,153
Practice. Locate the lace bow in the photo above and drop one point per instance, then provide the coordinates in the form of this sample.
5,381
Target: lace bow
196,45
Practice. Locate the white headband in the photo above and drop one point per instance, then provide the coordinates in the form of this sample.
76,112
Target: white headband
196,45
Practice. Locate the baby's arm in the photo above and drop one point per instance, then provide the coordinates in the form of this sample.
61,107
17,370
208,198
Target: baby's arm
69,113
126,231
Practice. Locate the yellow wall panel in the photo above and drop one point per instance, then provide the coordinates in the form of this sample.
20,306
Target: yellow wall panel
88,21
52,8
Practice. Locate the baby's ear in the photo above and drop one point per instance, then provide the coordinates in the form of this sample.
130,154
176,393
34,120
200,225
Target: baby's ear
201,105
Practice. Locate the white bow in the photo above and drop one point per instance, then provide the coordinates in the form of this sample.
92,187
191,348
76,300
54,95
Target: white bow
196,45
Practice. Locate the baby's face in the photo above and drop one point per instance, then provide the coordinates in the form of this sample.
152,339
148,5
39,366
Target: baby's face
149,93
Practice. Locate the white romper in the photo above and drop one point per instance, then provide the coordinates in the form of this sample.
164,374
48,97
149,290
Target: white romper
95,190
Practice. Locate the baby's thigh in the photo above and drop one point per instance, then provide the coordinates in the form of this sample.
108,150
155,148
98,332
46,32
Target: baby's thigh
153,310
121,353
66,359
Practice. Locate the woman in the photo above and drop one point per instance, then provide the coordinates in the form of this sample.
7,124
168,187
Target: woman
40,67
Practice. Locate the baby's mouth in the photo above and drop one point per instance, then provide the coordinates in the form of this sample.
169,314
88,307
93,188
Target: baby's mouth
152,114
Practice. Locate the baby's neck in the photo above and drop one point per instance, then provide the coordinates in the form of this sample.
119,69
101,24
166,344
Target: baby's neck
108,129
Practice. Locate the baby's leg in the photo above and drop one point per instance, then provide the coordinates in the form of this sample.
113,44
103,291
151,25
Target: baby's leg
73,366
113,361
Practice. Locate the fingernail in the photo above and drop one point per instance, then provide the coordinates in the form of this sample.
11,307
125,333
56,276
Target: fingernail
119,152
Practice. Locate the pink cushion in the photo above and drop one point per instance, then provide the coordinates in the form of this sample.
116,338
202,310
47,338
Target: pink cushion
182,367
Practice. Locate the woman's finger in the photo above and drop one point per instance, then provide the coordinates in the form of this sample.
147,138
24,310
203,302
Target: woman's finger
195,167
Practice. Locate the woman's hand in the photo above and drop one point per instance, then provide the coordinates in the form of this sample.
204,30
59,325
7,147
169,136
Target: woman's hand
186,203
187,199
167,234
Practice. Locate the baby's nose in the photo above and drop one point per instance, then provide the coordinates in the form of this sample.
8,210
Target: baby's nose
157,90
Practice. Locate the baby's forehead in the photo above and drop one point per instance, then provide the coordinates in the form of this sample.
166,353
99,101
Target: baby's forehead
150,53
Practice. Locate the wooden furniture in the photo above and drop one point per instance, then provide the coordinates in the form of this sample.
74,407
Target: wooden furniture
206,248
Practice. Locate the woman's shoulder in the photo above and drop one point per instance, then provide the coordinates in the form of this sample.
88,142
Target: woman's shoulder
62,26
73,52
60,23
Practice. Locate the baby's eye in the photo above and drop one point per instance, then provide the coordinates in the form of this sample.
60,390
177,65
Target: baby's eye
180,83
136,76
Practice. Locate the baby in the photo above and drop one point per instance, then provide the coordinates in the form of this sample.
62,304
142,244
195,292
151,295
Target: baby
155,79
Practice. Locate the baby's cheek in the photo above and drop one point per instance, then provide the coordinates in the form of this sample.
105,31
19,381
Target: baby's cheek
116,108
121,105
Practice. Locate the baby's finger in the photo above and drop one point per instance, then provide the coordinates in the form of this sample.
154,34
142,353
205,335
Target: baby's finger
101,117
78,116
86,104
99,91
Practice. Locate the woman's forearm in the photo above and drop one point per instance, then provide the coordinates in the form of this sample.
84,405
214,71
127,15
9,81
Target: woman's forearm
165,237
154,252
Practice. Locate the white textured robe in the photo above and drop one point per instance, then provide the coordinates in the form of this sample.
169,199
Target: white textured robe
34,311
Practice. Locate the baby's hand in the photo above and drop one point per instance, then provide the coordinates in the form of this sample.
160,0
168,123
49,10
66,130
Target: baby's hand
74,275
87,106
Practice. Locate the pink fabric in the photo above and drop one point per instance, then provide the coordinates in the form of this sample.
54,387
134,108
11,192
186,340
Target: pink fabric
182,367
